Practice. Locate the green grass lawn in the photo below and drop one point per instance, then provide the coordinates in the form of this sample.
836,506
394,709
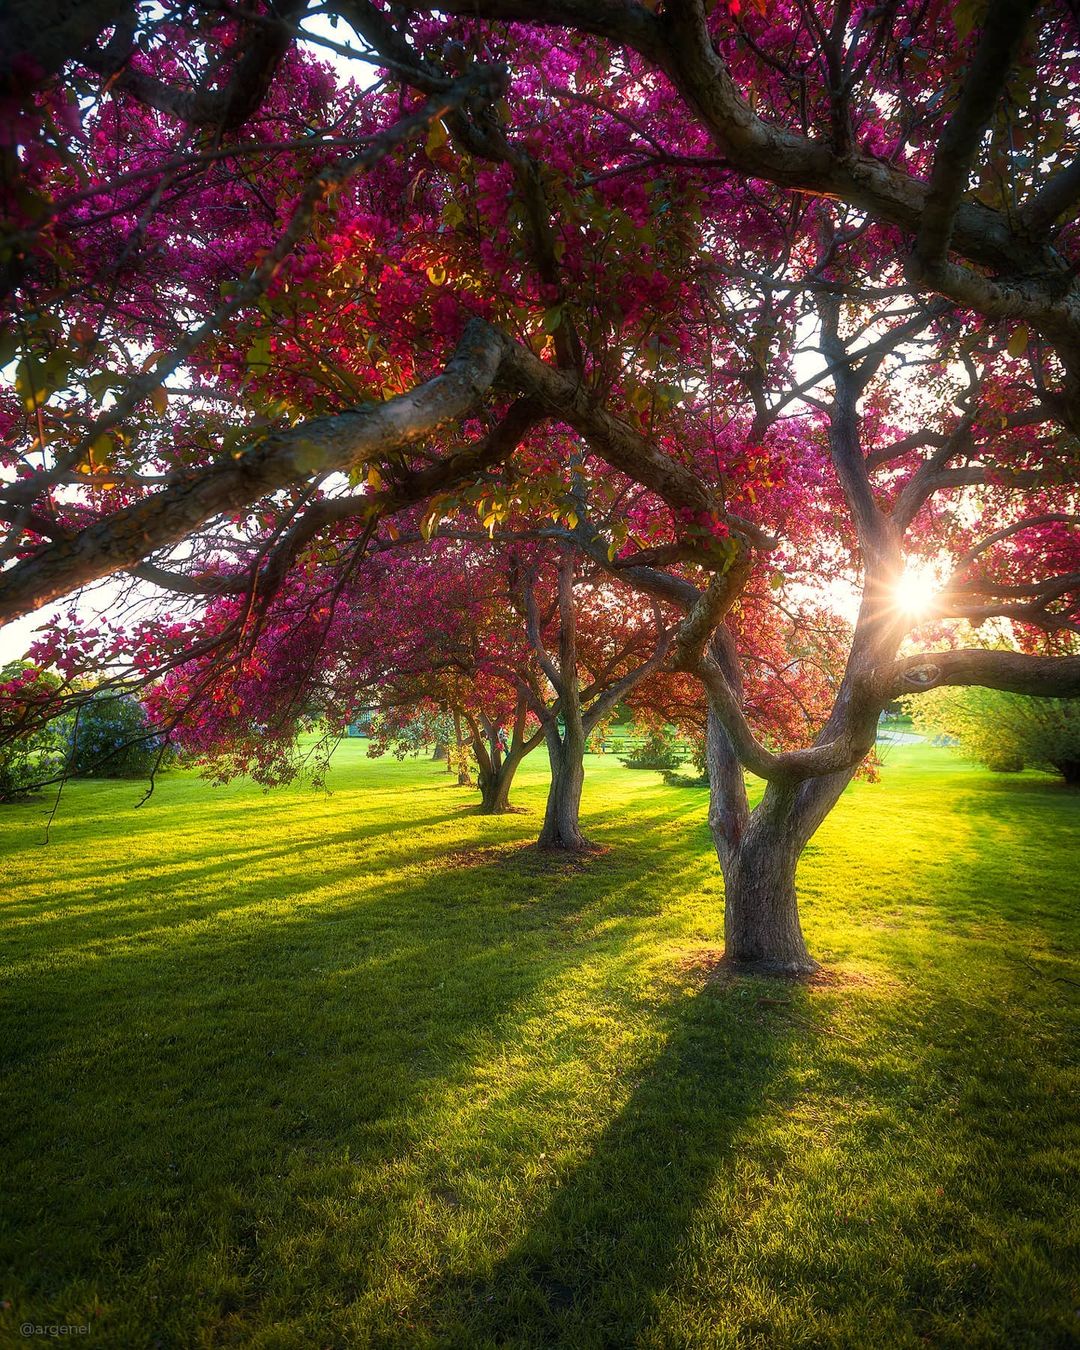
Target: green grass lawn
298,1070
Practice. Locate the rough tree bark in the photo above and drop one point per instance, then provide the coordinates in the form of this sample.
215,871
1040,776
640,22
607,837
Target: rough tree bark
566,754
578,712
762,931
495,767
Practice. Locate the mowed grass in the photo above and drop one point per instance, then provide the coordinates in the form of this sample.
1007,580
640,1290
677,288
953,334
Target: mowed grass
298,1070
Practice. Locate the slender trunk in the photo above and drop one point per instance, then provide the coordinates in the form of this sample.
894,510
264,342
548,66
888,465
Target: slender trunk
566,750
459,743
441,752
561,818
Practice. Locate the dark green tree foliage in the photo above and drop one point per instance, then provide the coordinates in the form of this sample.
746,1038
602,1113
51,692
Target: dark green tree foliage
660,750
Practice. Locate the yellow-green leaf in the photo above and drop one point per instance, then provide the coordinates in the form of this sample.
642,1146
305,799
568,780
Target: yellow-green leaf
452,213
436,137
1018,341
101,451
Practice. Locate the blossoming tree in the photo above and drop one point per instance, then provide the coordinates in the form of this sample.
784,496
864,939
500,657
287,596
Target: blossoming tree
802,273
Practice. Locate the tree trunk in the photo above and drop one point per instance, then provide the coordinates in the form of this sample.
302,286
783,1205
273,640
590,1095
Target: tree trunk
461,764
759,852
495,786
561,824
762,933
1070,771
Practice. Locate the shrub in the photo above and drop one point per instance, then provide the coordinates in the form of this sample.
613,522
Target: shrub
26,693
110,738
1004,731
658,751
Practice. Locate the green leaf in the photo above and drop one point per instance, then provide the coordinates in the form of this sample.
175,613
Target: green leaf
30,384
258,354
101,451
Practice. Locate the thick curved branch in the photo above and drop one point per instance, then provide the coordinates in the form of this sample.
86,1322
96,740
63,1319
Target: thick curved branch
1007,531
678,42
261,52
310,449
1040,676
877,537
1003,29
1053,199
40,36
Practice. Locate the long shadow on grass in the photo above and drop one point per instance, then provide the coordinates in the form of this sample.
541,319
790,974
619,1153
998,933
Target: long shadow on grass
588,1270
202,1083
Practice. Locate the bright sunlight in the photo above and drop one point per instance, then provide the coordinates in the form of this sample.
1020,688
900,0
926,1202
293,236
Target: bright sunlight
917,589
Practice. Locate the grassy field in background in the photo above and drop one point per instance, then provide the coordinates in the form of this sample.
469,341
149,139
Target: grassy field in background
298,1070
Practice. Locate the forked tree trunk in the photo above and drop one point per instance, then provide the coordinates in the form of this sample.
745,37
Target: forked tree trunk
566,747
759,853
496,766
562,828
762,932
494,795
495,785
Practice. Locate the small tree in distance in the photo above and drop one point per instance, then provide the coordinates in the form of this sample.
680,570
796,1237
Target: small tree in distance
1006,732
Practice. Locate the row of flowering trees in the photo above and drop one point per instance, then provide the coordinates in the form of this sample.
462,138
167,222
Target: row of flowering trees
697,314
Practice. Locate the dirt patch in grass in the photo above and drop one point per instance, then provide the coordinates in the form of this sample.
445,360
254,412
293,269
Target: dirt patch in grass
710,965
527,859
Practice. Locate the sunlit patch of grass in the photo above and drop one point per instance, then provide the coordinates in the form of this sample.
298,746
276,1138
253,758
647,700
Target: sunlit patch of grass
364,1069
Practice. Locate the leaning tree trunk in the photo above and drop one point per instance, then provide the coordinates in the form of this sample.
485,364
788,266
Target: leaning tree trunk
561,818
